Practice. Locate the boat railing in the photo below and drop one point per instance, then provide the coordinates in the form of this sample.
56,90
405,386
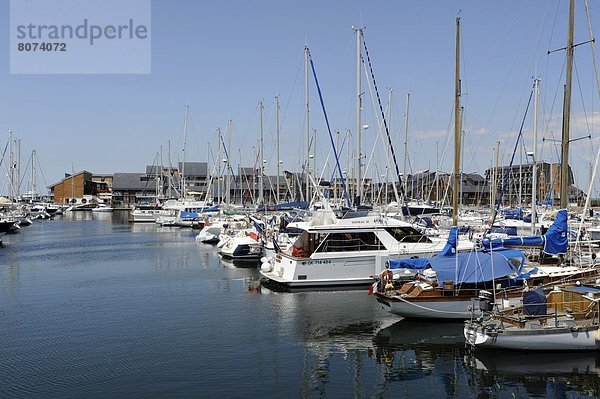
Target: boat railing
414,239
559,309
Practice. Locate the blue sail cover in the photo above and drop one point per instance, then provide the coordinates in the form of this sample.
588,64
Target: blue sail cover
423,263
413,264
557,239
286,206
450,247
554,242
513,214
188,215
472,267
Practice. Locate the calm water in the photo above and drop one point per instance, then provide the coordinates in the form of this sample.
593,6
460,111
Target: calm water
91,306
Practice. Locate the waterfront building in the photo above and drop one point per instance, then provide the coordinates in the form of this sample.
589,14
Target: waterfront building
132,188
518,181
73,187
437,186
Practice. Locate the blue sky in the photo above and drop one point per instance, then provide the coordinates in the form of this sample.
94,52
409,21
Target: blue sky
222,57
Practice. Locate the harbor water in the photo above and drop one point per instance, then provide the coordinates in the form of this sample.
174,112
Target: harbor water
94,307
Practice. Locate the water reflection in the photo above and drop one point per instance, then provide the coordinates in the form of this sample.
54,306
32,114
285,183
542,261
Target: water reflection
436,352
169,316
547,364
242,264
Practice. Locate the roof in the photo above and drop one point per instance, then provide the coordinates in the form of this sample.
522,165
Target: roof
194,168
68,176
244,171
131,182
153,170
474,176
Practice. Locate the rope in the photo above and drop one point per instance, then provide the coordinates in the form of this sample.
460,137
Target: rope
227,156
4,153
507,175
592,45
387,130
337,160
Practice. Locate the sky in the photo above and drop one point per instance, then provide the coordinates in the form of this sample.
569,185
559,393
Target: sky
221,58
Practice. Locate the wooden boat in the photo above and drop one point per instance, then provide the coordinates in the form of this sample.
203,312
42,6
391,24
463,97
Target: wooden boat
566,319
448,282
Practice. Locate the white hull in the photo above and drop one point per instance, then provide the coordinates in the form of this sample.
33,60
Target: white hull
346,271
145,216
241,248
353,251
542,339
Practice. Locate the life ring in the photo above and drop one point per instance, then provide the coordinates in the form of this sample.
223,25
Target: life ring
387,279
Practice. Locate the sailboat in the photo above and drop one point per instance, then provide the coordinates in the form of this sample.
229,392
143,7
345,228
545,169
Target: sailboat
567,318
448,282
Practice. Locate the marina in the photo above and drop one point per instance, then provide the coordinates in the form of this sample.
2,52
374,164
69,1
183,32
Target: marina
256,232
94,306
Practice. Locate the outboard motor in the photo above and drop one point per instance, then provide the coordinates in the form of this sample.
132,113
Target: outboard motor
486,303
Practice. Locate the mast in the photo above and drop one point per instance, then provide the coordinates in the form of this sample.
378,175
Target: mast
11,166
404,176
33,177
219,166
260,158
241,185
348,157
162,183
170,177
462,147
314,154
358,108
564,166
185,123
335,185
495,185
456,127
536,84
72,182
277,144
18,166
227,165
306,59
208,173
387,147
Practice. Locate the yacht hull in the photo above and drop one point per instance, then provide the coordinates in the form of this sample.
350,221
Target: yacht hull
542,339
445,308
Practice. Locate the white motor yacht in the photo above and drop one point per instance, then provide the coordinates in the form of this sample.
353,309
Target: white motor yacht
343,252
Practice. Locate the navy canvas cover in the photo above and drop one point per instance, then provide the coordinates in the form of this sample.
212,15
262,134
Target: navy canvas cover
450,247
472,267
554,242
534,303
414,264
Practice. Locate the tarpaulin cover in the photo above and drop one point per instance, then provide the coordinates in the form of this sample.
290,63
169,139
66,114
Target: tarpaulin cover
415,264
534,303
554,242
450,247
472,267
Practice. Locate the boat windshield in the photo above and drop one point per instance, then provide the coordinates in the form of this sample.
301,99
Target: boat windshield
349,242
407,235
